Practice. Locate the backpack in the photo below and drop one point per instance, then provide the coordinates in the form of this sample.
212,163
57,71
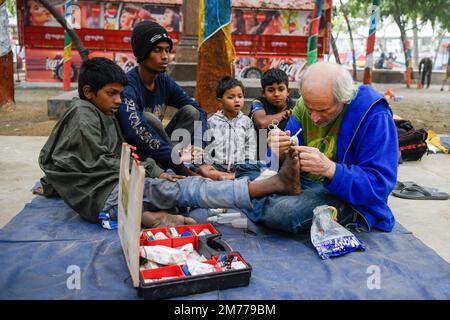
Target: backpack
411,141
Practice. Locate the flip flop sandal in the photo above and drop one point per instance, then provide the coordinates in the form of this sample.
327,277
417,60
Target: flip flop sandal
416,192
401,185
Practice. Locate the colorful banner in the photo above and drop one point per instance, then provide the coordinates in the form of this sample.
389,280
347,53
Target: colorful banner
67,46
216,51
375,16
215,16
314,32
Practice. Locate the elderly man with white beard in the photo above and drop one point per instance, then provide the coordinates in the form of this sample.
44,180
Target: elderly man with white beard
348,150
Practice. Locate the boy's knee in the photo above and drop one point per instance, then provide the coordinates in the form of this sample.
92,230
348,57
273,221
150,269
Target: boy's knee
153,120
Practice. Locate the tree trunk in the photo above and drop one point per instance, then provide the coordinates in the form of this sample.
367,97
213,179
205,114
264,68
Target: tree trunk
6,62
335,49
440,37
416,43
84,53
352,43
6,80
402,26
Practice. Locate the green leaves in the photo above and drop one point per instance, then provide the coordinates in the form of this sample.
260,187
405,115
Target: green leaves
11,7
436,11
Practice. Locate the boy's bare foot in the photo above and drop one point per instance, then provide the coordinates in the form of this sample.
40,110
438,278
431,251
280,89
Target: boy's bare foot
288,178
160,219
38,191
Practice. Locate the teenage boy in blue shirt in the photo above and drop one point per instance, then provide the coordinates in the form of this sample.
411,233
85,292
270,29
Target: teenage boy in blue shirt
148,93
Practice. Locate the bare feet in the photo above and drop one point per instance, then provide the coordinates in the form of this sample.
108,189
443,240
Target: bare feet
286,181
37,191
288,178
158,219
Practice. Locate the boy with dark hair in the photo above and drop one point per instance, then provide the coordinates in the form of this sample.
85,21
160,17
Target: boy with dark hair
275,103
232,136
81,161
149,91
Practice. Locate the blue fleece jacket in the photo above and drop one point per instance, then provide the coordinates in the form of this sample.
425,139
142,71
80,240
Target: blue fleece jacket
367,146
136,99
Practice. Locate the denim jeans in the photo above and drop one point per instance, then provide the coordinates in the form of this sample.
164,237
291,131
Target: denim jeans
184,118
292,213
197,192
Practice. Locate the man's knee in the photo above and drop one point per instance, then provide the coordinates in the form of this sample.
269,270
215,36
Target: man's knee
190,112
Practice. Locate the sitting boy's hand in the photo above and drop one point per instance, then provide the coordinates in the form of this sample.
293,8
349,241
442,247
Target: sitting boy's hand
170,177
287,114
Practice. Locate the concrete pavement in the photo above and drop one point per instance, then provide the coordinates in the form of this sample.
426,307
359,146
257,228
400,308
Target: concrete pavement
428,220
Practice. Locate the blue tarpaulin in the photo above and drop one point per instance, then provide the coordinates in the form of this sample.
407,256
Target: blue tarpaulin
42,245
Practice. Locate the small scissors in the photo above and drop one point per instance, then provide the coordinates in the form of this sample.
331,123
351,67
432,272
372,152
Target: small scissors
273,125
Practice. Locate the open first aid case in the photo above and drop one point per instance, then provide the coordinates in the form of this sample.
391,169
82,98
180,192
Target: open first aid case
160,260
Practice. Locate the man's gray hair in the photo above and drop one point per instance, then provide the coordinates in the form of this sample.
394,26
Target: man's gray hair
340,78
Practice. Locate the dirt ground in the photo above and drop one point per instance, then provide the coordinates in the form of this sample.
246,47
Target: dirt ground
28,117
427,108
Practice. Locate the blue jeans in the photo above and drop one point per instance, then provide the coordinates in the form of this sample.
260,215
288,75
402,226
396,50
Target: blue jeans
196,192
292,213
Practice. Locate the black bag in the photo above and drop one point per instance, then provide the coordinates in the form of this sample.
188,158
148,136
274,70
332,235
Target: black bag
411,141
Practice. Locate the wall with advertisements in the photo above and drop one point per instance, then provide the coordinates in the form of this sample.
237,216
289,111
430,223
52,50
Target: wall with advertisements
103,27
262,38
104,15
266,39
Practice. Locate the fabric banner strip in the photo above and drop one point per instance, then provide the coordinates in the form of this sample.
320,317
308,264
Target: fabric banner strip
372,30
213,16
314,32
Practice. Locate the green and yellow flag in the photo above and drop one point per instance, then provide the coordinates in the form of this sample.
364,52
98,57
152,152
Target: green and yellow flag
216,51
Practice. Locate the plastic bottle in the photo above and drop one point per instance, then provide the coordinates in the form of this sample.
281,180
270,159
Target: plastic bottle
225,217
240,223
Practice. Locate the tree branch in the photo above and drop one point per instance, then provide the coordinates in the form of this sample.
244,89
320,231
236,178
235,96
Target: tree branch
84,53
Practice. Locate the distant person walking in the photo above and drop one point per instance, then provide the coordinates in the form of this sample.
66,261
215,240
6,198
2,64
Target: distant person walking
390,60
425,68
447,74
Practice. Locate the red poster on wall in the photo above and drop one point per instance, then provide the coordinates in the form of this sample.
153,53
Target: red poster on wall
46,64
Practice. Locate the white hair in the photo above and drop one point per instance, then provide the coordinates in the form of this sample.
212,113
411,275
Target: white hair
339,77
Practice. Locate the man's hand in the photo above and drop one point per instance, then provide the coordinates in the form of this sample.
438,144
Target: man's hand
170,177
279,142
315,162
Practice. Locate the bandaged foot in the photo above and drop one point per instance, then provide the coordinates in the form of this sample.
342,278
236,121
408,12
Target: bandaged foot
160,219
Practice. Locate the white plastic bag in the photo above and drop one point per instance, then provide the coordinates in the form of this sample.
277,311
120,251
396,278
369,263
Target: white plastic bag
330,238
